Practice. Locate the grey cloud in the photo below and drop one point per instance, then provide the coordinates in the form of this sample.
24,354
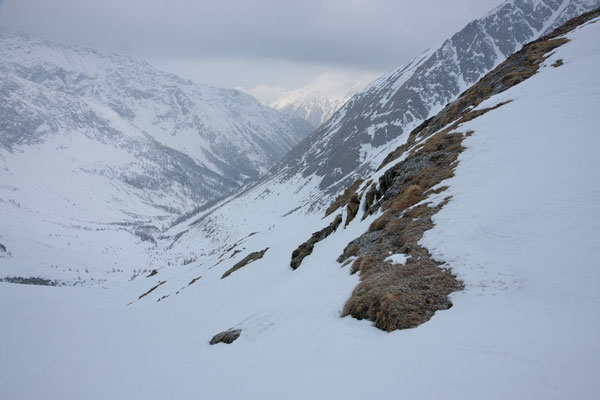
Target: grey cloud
374,34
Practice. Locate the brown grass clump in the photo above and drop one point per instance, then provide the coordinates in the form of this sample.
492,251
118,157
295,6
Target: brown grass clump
404,296
343,198
400,296
352,208
409,196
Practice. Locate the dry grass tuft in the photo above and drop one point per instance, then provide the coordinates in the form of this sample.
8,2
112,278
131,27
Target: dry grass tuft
352,208
400,297
343,198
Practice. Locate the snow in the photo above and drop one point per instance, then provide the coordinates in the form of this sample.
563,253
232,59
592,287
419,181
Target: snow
521,231
97,145
397,259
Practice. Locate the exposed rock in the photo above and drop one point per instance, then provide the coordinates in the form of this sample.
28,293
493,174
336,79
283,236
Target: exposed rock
194,280
343,198
359,246
235,253
2,248
228,250
162,298
352,208
335,152
154,272
228,336
151,289
245,261
399,298
307,247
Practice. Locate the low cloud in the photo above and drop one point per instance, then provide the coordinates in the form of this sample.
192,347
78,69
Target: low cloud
336,85
266,47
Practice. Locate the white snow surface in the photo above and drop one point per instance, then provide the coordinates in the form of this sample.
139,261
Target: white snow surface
99,151
521,231
397,259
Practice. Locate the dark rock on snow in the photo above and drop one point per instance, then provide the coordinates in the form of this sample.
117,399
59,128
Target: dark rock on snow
227,337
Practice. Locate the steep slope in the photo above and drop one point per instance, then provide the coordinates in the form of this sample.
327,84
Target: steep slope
506,178
351,143
359,136
93,142
226,133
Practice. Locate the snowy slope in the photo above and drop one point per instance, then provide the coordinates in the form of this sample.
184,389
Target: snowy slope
222,130
96,146
376,120
356,138
520,230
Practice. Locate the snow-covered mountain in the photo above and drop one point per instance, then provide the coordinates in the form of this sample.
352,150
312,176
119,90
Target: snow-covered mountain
359,136
312,106
98,141
229,136
479,232
136,190
355,139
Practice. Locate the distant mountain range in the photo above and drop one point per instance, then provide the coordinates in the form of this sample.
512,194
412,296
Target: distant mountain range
476,238
356,139
126,148
209,141
91,138
312,106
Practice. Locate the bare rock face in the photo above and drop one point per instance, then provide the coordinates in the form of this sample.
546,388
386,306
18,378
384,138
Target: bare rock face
336,151
400,298
227,337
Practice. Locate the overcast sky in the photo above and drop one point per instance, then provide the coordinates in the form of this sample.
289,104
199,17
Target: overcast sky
259,45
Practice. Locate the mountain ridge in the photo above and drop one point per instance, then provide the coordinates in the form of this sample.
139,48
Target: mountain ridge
395,103
118,145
